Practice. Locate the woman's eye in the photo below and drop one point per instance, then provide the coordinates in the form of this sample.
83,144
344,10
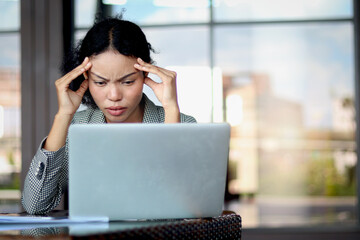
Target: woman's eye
100,83
128,82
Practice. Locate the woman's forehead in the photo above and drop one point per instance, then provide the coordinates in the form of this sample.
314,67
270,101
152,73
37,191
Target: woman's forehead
110,64
112,54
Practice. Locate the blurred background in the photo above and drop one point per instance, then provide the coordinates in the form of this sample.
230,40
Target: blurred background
282,73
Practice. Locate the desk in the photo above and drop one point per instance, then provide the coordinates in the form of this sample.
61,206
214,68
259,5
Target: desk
227,226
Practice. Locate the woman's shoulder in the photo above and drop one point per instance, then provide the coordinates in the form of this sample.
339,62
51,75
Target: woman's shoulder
156,114
88,115
152,112
187,118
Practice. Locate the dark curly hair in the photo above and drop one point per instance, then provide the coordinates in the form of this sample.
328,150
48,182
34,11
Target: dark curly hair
111,33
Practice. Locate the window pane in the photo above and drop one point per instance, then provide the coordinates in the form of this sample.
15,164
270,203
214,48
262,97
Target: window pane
179,45
10,125
84,13
79,35
146,12
289,96
9,15
262,10
186,51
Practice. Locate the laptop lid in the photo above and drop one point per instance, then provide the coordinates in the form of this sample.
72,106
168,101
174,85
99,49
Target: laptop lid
147,171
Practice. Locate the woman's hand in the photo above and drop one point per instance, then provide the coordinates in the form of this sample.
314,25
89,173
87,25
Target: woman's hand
164,91
68,100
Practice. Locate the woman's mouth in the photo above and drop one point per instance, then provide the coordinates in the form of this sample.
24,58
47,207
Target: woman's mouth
116,111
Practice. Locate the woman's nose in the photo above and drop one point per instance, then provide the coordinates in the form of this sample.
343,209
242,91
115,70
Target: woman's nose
114,94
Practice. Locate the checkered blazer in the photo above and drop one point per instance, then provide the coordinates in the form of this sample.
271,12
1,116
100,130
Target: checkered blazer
47,178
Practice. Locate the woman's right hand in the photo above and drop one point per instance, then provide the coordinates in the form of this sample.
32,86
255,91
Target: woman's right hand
68,100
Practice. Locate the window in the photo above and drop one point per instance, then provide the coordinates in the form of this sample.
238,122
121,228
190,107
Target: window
289,97
157,12
10,104
282,74
280,10
189,58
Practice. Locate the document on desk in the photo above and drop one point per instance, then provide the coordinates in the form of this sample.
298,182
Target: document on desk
8,222
5,219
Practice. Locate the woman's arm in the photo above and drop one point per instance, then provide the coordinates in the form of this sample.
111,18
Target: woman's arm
47,176
45,181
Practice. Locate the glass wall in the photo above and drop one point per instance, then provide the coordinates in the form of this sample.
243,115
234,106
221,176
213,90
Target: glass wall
280,10
10,105
282,74
289,97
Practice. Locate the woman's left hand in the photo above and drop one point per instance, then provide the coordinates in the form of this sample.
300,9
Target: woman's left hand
164,91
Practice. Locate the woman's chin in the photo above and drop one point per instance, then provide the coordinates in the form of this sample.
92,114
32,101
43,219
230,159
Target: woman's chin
112,119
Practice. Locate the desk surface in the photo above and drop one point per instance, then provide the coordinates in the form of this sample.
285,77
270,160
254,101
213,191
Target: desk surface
227,226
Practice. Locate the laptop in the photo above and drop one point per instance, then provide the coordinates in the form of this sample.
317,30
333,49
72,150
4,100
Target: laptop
147,171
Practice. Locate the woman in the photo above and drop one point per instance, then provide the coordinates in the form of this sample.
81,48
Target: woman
115,65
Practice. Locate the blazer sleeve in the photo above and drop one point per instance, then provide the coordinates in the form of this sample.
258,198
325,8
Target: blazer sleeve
45,180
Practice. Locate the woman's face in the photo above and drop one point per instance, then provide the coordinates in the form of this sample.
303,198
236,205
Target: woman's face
116,87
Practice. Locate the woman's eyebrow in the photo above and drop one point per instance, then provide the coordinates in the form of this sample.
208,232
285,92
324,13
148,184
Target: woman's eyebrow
105,79
120,79
127,75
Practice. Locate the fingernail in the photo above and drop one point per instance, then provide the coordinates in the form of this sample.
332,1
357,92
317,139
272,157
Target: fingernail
88,64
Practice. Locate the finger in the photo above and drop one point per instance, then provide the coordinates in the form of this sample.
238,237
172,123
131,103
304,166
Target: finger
85,75
79,68
151,83
165,71
83,87
82,68
164,74
146,65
